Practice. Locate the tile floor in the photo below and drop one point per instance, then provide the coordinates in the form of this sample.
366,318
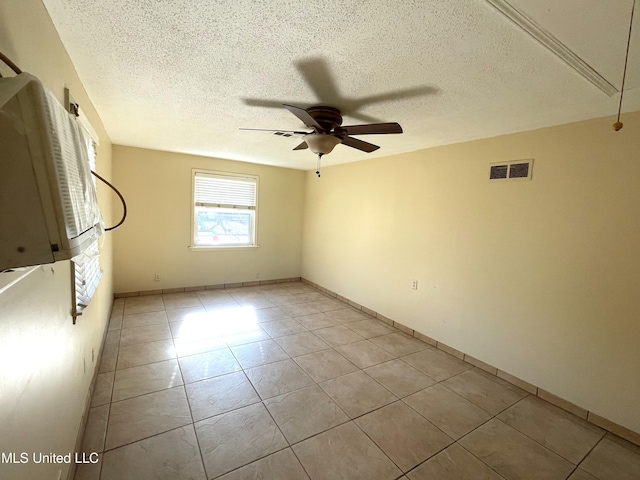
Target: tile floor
282,382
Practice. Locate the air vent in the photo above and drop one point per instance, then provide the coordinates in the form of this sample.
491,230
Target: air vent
515,170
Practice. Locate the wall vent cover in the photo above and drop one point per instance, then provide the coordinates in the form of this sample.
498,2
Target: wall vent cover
513,170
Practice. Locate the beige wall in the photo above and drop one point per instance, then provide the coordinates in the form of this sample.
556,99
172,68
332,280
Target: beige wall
43,382
156,236
538,278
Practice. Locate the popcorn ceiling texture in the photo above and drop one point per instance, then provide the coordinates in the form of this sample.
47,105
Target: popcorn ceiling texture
176,75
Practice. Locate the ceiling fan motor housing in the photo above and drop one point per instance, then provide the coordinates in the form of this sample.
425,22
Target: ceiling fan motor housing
328,117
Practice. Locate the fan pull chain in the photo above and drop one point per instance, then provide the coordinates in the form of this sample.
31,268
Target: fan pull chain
618,125
318,166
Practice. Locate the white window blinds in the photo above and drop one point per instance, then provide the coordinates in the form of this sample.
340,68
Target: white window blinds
213,190
86,276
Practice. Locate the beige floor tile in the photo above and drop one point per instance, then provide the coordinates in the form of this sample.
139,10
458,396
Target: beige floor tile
270,314
316,321
610,461
187,313
259,353
338,335
153,377
186,346
447,410
301,344
233,321
282,465
256,334
211,296
364,354
404,435
580,474
484,392
255,302
220,394
347,315
325,364
148,333
196,327
558,430
305,412
454,463
102,389
280,328
283,298
140,417
313,296
208,365
369,328
115,321
620,441
143,353
109,356
141,319
89,471
513,455
400,378
173,455
95,430
237,438
398,344
219,304
144,303
180,300
357,393
344,453
436,364
277,378
326,305
299,309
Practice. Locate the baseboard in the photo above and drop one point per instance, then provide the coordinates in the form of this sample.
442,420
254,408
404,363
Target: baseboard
200,288
619,430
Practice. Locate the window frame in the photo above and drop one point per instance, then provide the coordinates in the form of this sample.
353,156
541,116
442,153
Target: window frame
231,175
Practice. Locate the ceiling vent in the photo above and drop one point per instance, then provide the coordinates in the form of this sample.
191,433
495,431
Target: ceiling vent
515,170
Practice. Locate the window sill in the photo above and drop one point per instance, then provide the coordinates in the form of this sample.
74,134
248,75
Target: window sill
208,248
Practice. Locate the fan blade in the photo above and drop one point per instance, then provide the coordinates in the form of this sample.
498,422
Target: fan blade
302,146
373,129
283,133
303,115
317,73
359,144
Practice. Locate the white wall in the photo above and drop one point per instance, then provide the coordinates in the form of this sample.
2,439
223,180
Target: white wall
43,381
538,278
156,236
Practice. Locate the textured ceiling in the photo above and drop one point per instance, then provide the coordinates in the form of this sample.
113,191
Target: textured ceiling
185,75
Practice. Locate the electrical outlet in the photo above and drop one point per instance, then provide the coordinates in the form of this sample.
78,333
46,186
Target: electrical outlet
414,284
156,278
257,274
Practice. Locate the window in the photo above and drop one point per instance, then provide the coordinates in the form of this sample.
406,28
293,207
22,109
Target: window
224,209
86,272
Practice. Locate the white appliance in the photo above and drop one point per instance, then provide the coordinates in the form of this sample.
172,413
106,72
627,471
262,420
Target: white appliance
48,204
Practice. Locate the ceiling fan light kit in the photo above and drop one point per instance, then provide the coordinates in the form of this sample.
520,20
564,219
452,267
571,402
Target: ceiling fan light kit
321,143
327,131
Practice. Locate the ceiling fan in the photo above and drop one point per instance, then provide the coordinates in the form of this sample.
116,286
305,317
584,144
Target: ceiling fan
327,131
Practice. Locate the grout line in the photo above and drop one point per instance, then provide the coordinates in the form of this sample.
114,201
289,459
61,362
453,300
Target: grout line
464,355
349,419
